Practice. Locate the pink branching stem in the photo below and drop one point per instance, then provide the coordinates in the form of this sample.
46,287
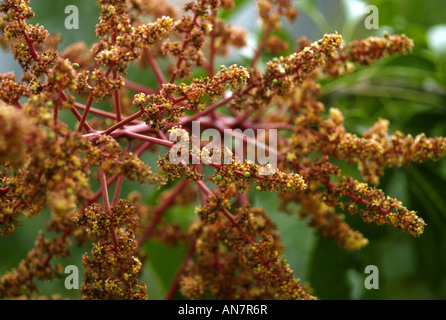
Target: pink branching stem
212,52
4,190
123,122
120,179
243,198
241,118
67,231
110,181
271,125
228,215
162,135
18,105
79,118
116,98
261,46
234,223
203,188
241,136
206,192
98,194
162,142
141,127
84,115
30,43
106,201
35,55
185,43
178,100
207,110
143,148
101,112
75,112
104,190
156,69
117,190
159,211
176,282
258,114
203,194
354,198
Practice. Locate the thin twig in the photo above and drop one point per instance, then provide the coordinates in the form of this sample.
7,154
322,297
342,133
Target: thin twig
159,211
106,201
84,115
116,98
156,69
123,122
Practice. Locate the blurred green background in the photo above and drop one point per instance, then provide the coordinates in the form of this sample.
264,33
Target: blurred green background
409,90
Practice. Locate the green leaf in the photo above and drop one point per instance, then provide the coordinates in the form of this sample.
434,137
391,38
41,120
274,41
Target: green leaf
328,271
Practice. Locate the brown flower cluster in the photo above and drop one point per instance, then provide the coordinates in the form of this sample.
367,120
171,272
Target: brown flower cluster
235,249
20,282
113,270
231,265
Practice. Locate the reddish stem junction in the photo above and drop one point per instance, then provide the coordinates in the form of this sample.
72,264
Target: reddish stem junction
132,128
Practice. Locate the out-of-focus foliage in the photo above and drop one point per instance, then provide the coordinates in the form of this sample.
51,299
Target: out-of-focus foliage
409,90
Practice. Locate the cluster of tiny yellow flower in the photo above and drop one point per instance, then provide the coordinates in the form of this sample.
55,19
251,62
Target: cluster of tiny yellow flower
40,168
231,265
106,153
113,270
235,250
11,91
365,52
164,109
